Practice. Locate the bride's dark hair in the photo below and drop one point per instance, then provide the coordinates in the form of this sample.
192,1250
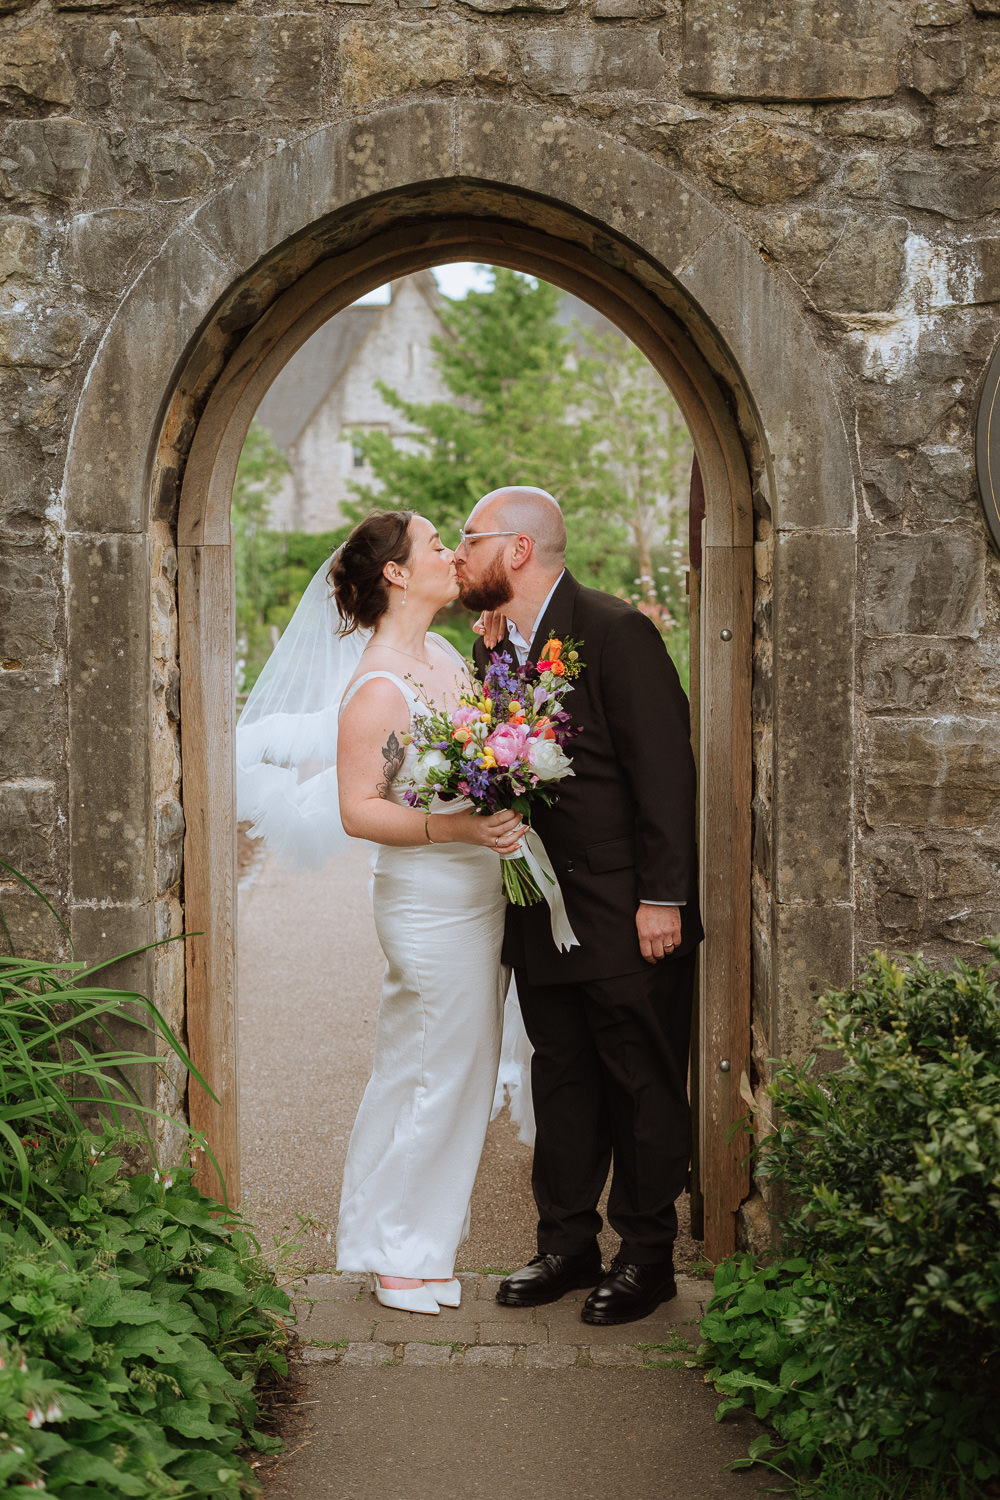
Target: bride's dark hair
361,590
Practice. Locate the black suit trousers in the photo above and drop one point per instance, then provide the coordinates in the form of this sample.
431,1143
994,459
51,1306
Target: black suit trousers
609,1086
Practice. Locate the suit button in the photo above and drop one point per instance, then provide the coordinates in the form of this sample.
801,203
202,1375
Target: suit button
570,868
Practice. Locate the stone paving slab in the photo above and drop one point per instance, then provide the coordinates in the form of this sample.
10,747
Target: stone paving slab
492,1429
340,1322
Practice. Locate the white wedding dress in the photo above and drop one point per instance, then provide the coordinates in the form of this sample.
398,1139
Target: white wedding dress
416,1143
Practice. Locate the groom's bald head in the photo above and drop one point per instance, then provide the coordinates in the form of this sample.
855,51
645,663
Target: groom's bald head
531,511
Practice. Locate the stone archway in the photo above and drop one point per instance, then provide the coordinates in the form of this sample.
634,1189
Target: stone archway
241,285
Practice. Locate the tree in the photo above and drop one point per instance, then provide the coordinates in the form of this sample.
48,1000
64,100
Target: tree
272,567
534,402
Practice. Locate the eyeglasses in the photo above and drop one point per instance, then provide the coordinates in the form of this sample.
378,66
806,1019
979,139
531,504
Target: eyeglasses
468,537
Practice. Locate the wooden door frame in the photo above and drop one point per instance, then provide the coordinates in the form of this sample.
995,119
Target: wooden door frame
207,634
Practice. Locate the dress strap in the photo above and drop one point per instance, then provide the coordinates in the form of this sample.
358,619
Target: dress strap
407,691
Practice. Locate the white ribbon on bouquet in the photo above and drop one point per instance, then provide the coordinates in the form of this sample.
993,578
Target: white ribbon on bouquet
532,851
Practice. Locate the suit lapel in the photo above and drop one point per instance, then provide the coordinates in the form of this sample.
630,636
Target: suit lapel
558,617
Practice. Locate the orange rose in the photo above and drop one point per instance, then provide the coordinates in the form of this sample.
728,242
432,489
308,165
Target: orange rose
557,668
551,651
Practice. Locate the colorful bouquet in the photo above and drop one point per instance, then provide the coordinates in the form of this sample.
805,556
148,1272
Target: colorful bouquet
502,747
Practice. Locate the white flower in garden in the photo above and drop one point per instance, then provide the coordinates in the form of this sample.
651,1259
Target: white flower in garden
548,761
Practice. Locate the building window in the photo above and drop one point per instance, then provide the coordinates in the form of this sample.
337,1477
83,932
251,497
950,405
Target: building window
357,456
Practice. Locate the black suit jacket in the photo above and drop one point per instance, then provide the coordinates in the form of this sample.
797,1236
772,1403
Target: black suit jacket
623,827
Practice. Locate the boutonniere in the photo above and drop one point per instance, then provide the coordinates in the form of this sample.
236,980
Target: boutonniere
561,658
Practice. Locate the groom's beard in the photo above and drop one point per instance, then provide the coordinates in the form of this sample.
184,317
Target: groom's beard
493,590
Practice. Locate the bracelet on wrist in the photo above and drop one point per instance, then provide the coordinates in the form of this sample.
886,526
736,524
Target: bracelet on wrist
427,828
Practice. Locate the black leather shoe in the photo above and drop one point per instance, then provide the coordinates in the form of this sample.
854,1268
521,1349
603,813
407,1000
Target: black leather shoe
547,1277
629,1292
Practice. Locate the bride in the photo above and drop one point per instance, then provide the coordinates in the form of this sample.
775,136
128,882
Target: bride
437,894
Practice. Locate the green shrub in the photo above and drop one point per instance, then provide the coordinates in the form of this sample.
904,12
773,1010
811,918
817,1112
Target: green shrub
891,1308
135,1312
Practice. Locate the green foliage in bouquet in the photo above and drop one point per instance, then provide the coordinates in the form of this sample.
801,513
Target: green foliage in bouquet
135,1312
880,1340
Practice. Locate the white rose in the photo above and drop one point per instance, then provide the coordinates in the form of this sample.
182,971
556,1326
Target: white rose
431,760
548,760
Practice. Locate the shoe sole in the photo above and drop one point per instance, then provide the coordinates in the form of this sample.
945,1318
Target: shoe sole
509,1300
633,1317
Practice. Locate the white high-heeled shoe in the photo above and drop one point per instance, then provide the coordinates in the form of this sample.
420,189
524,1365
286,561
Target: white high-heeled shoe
446,1293
417,1299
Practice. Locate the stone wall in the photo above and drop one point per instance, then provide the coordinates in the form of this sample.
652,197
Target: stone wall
856,150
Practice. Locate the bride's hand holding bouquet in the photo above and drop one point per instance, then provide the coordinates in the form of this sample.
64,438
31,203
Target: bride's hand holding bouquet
502,747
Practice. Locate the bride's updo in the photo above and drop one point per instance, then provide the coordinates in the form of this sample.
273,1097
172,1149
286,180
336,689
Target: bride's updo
361,590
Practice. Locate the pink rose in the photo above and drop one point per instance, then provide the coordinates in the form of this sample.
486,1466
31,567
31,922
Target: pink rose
507,743
464,715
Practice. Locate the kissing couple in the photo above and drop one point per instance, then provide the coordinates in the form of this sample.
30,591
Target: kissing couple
324,751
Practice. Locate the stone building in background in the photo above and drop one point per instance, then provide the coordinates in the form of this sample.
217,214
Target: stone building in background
327,395
793,210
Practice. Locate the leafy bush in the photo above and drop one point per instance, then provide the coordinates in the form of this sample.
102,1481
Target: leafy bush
135,1312
890,1312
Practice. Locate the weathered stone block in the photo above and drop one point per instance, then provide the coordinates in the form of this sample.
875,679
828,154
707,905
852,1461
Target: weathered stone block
495,7
27,480
104,930
937,66
929,584
627,10
759,163
121,404
984,70
28,824
908,673
582,62
814,573
963,874
169,844
32,723
110,817
814,480
955,187
874,124
34,931
42,334
386,58
961,121
749,49
29,604
940,13
223,68
179,169
34,64
55,158
813,951
944,481
7,7
101,244
861,265
931,773
22,248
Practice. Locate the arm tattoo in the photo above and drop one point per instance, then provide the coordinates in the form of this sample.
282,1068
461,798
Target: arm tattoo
392,758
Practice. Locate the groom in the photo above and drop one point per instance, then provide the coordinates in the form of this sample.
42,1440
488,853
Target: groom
609,1020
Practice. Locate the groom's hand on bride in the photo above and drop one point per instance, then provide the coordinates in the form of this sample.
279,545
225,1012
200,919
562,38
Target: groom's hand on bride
491,625
659,929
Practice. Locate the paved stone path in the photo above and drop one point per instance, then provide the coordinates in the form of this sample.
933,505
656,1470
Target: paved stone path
485,1401
340,1322
503,1404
